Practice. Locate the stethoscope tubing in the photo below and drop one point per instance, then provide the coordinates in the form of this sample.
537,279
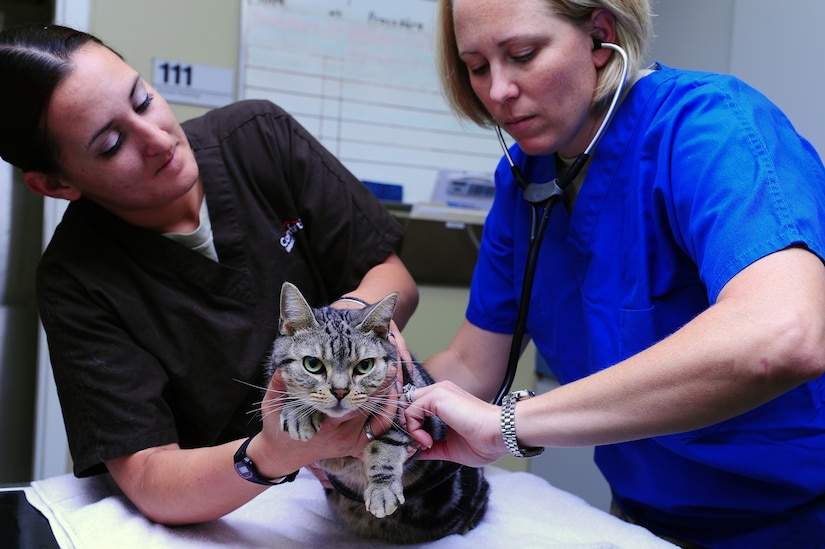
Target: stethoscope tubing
542,198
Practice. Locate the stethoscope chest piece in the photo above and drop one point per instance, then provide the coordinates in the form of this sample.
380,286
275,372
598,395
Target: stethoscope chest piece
543,193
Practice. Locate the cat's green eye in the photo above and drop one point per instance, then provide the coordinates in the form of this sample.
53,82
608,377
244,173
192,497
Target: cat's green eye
364,366
313,365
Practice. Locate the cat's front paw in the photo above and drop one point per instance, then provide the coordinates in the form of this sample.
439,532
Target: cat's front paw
383,500
299,424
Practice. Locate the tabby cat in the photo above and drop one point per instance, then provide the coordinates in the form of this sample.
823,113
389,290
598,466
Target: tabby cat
335,361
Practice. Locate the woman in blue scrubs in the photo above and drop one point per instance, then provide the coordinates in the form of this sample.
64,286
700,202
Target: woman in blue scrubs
679,292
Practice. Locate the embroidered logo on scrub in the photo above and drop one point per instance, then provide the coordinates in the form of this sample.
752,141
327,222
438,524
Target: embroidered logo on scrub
290,228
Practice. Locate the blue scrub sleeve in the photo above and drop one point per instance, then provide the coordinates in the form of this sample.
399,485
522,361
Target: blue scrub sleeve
744,183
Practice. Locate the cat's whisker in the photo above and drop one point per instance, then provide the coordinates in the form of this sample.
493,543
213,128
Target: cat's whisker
268,407
242,382
275,399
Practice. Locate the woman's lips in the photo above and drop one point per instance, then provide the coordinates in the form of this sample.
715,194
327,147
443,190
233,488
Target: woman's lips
172,156
516,124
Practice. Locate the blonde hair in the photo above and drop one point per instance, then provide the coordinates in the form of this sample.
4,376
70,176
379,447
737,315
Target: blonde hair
634,32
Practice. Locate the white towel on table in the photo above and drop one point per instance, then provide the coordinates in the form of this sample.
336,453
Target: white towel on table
525,511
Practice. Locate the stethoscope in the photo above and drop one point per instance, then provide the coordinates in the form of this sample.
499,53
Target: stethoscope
542,197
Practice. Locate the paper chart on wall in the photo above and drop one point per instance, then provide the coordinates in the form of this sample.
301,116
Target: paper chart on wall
360,75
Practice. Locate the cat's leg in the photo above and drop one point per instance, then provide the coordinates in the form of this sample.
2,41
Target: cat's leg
384,465
300,422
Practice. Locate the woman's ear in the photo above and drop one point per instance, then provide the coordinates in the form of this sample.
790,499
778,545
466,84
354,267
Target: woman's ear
50,185
602,29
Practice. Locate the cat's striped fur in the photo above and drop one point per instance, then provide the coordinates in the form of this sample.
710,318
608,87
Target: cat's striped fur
334,361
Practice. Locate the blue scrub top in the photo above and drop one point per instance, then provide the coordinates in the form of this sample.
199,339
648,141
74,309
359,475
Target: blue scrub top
697,177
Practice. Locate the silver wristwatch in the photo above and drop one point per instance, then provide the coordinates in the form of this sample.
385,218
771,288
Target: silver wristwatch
508,425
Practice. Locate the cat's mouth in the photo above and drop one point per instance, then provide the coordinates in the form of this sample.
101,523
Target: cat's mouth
338,409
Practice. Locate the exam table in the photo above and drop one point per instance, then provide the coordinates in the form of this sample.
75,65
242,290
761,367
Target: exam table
525,511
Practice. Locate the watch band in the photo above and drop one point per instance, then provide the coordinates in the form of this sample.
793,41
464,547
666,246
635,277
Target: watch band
508,425
247,470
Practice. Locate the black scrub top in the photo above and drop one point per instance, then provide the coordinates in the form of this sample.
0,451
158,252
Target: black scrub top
152,343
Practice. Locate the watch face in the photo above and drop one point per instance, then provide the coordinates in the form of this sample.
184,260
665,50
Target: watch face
243,469
531,452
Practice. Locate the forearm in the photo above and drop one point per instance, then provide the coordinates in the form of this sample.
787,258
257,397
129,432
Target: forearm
660,391
174,486
385,278
449,365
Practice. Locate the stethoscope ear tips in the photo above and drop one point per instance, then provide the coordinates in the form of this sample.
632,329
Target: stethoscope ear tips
597,44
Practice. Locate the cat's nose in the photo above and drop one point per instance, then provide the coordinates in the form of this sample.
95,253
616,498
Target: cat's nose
340,393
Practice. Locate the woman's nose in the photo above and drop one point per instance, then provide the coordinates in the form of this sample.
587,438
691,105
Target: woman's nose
155,139
502,86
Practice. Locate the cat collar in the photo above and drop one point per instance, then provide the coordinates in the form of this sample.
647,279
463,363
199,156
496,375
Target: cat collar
508,425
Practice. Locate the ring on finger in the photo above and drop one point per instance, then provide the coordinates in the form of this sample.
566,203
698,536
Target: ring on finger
409,391
368,432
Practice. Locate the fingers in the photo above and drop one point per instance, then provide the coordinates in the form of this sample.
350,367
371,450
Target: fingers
273,400
438,451
421,437
277,383
405,361
382,420
414,418
397,339
404,355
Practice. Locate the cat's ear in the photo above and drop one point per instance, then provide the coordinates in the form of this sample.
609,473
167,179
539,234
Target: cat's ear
378,318
296,314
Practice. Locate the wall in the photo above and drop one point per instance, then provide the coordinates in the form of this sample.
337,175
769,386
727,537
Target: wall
775,47
770,45
767,43
20,228
21,215
693,35
192,31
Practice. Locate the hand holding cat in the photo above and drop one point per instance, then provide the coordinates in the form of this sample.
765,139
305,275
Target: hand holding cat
405,360
400,343
474,436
